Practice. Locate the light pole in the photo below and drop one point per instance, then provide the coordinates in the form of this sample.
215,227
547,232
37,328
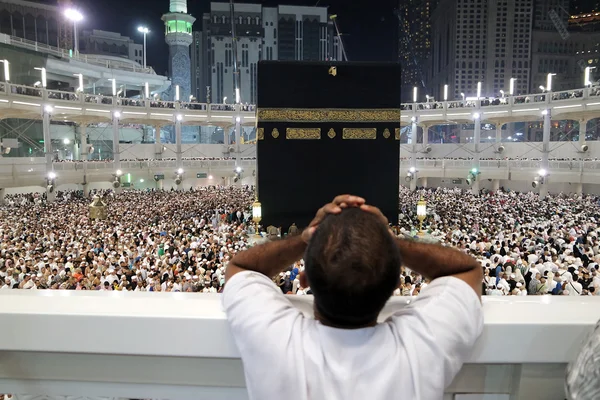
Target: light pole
145,31
80,78
511,88
6,70
587,81
445,92
75,16
44,77
549,82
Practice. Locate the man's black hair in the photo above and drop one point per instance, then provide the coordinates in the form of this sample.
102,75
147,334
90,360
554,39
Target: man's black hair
353,266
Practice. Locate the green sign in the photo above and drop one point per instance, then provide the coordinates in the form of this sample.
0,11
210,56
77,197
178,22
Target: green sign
126,184
202,175
159,177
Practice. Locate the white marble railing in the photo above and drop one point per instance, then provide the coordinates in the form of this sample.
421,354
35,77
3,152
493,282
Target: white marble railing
565,104
178,346
504,164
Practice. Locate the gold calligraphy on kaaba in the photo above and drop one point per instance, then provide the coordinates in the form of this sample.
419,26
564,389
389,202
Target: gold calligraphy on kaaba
303,133
275,133
260,134
331,134
386,133
397,134
359,133
328,115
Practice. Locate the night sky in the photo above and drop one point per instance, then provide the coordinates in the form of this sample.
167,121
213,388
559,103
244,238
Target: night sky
370,25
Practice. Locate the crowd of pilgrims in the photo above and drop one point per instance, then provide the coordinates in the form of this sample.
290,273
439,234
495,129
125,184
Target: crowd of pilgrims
182,240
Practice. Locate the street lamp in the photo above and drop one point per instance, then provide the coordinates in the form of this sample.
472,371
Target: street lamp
478,90
502,92
225,100
542,88
445,92
587,80
176,92
463,96
147,90
511,89
549,82
6,70
257,215
76,17
415,94
44,80
145,31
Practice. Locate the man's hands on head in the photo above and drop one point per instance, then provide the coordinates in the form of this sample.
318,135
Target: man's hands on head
335,207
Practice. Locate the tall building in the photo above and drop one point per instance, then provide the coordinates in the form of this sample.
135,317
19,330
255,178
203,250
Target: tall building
110,44
479,41
178,31
414,41
566,53
264,33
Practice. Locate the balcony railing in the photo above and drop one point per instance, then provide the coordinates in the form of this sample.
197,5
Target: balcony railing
86,58
78,353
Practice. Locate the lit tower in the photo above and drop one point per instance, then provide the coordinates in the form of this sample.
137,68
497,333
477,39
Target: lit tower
178,32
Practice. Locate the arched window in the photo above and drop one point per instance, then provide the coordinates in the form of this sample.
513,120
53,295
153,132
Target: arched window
18,25
42,33
5,22
30,28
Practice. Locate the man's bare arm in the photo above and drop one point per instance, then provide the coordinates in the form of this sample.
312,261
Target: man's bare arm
435,261
269,259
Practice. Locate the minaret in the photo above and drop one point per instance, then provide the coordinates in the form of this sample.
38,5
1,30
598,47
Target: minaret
178,32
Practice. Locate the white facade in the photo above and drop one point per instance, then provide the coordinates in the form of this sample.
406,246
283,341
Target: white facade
477,41
264,33
111,44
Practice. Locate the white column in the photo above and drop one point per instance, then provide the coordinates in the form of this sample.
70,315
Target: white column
84,157
476,140
226,140
413,154
48,151
496,185
582,131
425,128
546,151
178,148
499,132
116,150
579,188
2,194
157,143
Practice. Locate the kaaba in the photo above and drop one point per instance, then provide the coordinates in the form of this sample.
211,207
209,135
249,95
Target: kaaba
326,129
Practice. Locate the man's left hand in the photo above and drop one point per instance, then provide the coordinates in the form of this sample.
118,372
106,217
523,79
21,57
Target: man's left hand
335,207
